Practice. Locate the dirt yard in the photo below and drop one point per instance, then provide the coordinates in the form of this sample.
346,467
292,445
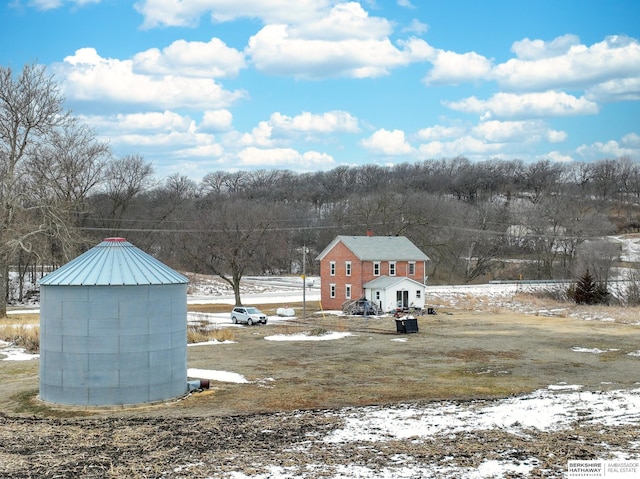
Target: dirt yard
295,387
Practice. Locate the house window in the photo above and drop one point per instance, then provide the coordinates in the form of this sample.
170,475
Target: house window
376,268
392,268
332,268
347,268
418,292
332,290
412,268
377,295
347,291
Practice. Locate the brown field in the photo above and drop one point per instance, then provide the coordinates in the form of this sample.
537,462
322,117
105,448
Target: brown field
457,354
462,354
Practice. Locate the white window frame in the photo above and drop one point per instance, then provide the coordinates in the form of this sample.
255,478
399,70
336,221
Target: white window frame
411,268
392,268
347,268
418,293
332,290
376,268
332,268
347,291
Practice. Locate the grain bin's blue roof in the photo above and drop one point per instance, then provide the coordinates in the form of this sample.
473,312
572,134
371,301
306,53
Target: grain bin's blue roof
116,262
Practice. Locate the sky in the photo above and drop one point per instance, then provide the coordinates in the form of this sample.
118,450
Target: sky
308,85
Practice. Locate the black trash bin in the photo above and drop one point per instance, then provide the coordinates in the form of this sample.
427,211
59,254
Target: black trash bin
405,325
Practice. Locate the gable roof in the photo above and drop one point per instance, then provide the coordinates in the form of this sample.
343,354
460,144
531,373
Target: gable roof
378,248
385,282
115,261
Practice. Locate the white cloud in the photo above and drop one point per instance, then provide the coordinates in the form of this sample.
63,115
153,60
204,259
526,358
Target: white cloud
304,39
166,130
452,68
565,64
211,150
171,139
609,149
406,4
439,132
259,136
284,158
631,140
51,4
467,146
181,13
528,105
328,122
216,120
417,27
345,21
149,122
199,59
517,131
280,129
45,4
273,50
556,136
387,142
87,76
536,49
623,89
557,157
494,138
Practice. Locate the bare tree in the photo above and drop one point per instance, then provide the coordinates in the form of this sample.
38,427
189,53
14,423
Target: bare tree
64,171
598,257
125,178
542,178
31,107
231,241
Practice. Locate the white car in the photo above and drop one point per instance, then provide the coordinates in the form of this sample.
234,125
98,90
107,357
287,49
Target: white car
248,314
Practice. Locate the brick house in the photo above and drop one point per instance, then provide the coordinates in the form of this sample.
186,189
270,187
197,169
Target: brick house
392,266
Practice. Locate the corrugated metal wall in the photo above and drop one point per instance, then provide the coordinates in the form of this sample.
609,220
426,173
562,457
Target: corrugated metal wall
105,345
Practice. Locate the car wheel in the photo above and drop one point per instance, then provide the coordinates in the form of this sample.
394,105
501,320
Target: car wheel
249,321
234,320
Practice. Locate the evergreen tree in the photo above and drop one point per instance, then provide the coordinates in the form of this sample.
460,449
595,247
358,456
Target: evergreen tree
588,291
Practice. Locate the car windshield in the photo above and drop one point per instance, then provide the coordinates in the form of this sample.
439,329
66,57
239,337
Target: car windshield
253,311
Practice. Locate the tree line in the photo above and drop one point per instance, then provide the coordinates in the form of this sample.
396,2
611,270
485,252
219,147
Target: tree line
62,191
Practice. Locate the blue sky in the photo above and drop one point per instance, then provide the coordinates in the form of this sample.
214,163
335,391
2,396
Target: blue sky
308,85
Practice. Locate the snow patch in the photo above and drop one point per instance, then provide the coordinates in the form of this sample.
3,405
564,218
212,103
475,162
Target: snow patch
221,376
308,337
577,349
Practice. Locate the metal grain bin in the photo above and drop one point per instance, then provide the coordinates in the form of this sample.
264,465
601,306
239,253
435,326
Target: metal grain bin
113,329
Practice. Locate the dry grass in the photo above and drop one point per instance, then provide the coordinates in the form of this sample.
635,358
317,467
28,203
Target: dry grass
541,301
202,332
22,330
26,318
482,355
24,336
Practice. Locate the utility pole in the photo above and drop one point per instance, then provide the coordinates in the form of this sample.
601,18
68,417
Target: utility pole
304,282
